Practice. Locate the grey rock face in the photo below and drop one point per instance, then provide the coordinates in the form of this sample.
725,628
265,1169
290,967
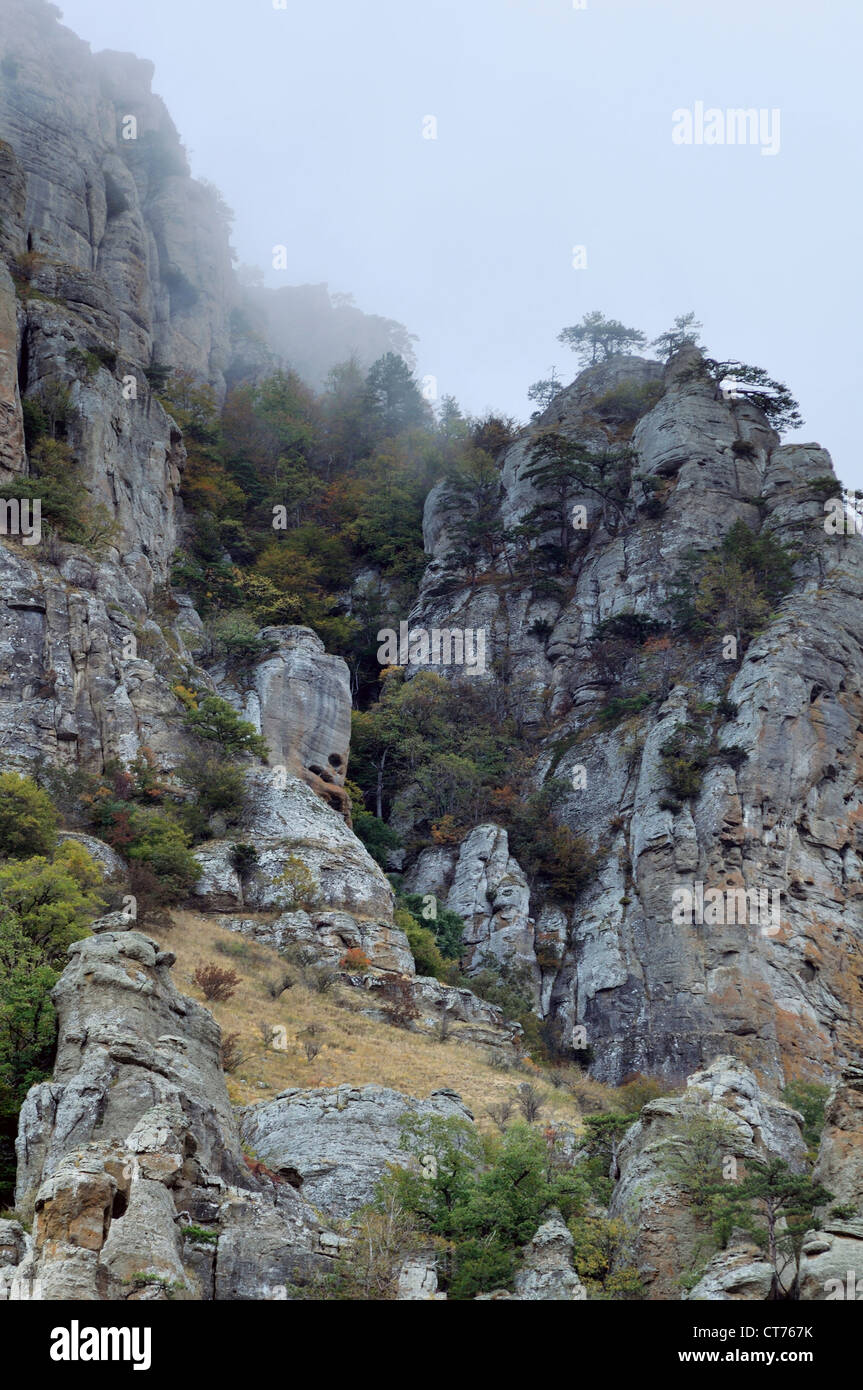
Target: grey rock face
667,1231
418,1281
69,689
352,903
339,1141
134,1143
122,210
299,698
832,1264
740,1272
652,994
546,1272
11,423
481,881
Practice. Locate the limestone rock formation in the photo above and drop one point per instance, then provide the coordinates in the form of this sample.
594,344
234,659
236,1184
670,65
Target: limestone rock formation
481,881
779,803
545,1273
738,1273
352,899
669,1237
299,698
832,1262
130,1158
114,265
338,1141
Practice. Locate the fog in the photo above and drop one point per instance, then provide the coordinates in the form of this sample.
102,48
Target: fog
553,129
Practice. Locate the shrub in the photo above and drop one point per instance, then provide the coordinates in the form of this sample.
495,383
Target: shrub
501,1113
301,888
28,818
634,628
684,755
216,721
423,946
161,845
509,984
320,978
447,926
243,859
44,907
53,903
230,1055
810,1099
627,402
554,853
621,707
397,996
530,1101
734,588
215,983
219,784
355,960
66,505
276,988
604,1257
236,636
379,839
487,1206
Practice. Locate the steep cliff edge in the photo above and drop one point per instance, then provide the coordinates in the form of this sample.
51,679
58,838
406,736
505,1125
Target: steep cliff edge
601,679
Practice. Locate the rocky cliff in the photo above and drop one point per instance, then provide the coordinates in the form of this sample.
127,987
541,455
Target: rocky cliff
116,265
778,807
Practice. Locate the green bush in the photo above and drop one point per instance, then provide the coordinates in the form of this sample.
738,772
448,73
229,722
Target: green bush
236,636
684,756
424,948
28,819
67,507
733,589
621,707
488,1204
161,845
219,783
218,722
549,850
810,1099
302,891
378,838
626,403
447,926
604,1258
44,907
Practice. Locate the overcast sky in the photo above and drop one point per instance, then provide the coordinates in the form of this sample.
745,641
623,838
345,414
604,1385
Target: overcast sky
554,130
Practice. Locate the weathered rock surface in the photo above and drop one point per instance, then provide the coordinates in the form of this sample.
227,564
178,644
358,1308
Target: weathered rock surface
418,1281
545,1273
339,1141
832,1263
670,1240
352,902
299,698
738,1273
481,881
133,1146
651,994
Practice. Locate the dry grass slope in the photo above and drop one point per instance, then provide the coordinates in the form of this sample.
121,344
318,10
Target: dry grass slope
354,1049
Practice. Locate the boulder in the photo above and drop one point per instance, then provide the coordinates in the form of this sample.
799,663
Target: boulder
339,1141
